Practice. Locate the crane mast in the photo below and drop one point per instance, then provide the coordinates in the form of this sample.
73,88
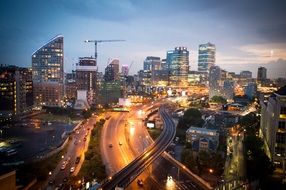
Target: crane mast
100,41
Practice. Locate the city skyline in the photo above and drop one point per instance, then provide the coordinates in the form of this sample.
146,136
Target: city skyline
245,33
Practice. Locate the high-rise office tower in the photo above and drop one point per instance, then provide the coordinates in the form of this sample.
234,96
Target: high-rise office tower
86,77
48,72
70,85
16,91
112,71
207,53
152,64
125,70
246,74
178,65
273,127
214,81
262,74
164,65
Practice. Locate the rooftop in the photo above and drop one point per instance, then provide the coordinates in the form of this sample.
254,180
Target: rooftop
281,91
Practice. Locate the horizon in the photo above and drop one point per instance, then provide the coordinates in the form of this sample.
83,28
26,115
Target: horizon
245,33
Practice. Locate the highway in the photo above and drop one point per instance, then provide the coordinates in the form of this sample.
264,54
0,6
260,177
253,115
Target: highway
133,143
75,148
132,170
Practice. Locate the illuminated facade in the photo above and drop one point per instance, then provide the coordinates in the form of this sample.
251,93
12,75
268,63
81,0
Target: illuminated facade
86,77
178,65
206,59
48,72
16,91
70,86
273,126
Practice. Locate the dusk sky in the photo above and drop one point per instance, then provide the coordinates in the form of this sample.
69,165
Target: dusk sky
247,33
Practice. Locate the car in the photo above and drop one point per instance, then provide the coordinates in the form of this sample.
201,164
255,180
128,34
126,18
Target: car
140,182
72,169
77,160
110,145
120,143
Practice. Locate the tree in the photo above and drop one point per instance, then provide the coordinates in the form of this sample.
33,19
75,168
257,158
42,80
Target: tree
191,117
218,99
258,164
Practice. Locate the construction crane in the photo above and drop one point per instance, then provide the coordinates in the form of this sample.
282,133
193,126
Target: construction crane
100,41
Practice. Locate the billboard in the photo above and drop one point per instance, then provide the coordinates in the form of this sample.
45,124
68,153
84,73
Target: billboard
150,125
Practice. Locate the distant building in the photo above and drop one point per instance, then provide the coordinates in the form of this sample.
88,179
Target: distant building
70,85
197,77
145,77
246,74
109,92
16,91
261,74
164,65
86,77
251,90
48,73
112,71
202,139
125,70
152,64
228,89
214,81
273,127
178,65
207,55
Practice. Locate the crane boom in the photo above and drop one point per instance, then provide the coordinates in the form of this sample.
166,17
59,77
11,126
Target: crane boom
100,41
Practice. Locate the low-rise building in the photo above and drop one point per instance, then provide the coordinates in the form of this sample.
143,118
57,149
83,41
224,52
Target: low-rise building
202,139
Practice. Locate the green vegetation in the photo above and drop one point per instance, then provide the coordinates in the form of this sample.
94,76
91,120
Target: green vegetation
69,112
93,166
258,165
154,133
203,162
46,117
191,117
218,99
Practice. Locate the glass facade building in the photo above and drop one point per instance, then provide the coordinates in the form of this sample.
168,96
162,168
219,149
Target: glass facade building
48,72
178,65
16,91
206,57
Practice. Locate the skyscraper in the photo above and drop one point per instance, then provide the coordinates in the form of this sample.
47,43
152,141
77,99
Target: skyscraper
214,81
178,65
207,53
16,91
48,72
112,71
152,64
273,127
86,77
262,74
125,70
